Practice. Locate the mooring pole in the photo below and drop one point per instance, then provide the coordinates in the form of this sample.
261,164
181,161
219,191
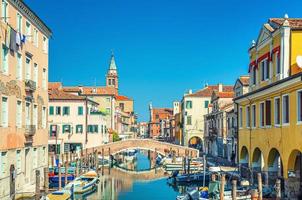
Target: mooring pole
259,186
234,189
222,183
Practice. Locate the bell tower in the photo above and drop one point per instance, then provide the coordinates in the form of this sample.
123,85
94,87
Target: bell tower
112,77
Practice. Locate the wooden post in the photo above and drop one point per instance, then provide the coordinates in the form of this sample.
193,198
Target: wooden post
86,157
77,168
278,189
66,172
38,193
259,185
96,159
191,154
178,152
70,156
222,183
60,175
62,160
46,184
266,178
254,195
234,189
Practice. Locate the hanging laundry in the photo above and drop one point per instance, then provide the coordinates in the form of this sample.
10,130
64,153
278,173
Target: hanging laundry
23,38
13,45
18,39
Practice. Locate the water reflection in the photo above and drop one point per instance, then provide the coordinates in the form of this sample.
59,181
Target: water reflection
134,178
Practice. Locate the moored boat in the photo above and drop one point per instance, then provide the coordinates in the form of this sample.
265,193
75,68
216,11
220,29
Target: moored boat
84,184
59,195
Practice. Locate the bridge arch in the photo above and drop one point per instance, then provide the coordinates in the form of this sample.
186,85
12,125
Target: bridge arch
195,142
149,144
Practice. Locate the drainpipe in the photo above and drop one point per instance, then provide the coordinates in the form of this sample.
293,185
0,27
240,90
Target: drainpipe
86,121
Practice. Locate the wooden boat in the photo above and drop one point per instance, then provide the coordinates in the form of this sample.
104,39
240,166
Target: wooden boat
59,195
84,184
54,179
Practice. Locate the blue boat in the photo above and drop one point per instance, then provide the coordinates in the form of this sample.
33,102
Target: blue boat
54,180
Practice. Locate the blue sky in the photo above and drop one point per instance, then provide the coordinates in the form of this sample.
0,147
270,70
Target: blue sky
162,48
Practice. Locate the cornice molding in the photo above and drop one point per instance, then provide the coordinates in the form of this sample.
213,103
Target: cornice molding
31,15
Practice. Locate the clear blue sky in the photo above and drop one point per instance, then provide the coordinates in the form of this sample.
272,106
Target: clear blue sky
162,48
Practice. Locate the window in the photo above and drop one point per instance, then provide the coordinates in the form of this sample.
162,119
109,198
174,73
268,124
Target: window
206,104
19,114
253,116
66,110
19,67
299,107
4,60
265,70
19,22
44,81
66,129
189,120
240,117
268,121
188,104
18,159
113,81
35,116
44,117
4,11
79,128
262,114
122,106
80,110
27,114
4,112
277,63
28,31
36,73
51,110
36,37
35,158
3,166
254,76
45,44
277,111
248,114
58,110
285,109
27,68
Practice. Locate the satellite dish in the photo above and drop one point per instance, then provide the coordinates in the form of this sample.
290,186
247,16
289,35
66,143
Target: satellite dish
299,61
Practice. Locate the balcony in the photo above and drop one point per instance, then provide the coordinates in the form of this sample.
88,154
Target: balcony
30,85
30,130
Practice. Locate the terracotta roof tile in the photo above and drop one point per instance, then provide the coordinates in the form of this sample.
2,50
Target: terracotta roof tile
162,110
207,91
293,22
92,90
122,98
56,94
54,85
225,94
245,80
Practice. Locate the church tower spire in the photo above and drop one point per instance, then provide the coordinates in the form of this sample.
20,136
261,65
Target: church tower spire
112,77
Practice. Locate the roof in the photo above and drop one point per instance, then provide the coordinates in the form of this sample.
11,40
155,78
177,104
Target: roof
225,94
112,65
245,80
122,98
162,111
208,90
92,90
54,85
57,94
295,23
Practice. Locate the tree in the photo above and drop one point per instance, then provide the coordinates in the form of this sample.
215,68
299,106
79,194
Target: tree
115,137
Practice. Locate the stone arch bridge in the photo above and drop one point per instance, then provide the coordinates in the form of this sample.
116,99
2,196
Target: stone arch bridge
149,144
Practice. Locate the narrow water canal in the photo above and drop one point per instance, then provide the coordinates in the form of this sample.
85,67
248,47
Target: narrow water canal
134,180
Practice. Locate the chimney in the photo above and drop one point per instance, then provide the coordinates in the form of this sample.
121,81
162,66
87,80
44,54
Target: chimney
190,91
220,87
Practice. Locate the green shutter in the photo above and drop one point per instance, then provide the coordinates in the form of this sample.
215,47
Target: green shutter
80,110
51,110
206,104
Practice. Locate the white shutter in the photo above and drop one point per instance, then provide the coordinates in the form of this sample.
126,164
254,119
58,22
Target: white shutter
35,120
4,116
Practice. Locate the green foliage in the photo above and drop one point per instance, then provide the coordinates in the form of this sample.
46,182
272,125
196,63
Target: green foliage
115,137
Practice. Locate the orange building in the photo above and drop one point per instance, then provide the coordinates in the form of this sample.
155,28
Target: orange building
161,122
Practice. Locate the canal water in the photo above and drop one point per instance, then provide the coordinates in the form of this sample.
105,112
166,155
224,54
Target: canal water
137,179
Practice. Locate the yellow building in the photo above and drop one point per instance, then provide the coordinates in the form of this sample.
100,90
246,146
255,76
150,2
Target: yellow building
23,98
270,114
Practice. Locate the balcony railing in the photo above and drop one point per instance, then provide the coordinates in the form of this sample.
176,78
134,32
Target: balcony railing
30,85
30,130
